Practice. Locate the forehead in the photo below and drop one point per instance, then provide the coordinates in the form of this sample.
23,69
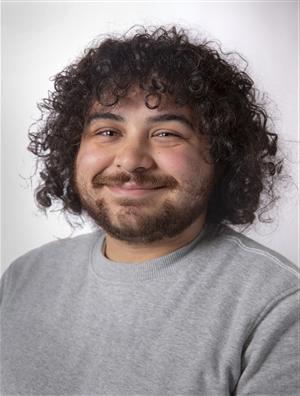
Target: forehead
138,99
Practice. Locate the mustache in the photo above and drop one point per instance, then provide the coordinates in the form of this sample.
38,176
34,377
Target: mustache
138,178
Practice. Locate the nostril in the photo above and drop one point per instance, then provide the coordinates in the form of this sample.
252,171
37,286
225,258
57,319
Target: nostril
134,162
140,169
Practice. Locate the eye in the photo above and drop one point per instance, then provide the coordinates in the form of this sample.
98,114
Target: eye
168,135
107,133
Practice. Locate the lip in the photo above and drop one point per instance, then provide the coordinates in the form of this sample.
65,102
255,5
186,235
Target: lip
133,190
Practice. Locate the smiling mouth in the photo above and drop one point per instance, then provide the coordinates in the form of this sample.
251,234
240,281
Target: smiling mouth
133,190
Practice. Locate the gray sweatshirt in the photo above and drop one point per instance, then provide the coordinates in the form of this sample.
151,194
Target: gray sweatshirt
216,317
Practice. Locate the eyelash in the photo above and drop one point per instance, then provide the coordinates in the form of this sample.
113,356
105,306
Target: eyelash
102,133
169,133
112,133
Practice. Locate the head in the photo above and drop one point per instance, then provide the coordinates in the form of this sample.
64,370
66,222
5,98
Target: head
226,166
143,174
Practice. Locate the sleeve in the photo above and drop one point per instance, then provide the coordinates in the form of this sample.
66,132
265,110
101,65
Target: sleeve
271,358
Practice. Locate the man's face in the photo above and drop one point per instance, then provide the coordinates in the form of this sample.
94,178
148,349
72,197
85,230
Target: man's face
143,174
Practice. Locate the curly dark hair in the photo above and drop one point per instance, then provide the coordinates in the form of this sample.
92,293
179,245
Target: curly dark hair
163,61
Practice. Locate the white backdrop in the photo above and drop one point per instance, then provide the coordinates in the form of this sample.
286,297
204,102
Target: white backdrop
39,39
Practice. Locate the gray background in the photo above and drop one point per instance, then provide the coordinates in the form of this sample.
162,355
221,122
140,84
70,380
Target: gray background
40,38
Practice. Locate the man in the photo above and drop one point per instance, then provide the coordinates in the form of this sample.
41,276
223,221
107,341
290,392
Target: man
162,142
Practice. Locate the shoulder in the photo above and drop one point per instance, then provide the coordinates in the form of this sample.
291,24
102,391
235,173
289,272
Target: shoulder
57,250
58,258
230,246
257,255
243,267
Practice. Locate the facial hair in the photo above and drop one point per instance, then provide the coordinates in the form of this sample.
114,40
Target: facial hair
134,223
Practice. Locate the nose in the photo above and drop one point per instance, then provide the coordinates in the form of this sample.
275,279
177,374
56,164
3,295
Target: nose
134,157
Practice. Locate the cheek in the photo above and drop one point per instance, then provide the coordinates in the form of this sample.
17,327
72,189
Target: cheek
89,160
184,165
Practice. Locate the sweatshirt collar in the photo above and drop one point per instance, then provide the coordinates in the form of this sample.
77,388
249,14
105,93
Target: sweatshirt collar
157,268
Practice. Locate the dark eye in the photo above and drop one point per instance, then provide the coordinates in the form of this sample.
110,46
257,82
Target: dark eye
166,134
107,133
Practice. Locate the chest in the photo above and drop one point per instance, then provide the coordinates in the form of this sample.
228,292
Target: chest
119,339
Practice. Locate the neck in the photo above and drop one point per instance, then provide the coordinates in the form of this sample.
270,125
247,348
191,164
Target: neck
125,252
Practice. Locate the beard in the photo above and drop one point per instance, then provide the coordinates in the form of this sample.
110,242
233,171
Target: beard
140,221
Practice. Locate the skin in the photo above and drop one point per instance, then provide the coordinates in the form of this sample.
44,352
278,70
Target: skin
132,142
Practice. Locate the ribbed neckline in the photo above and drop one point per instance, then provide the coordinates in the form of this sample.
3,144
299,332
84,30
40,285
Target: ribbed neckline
158,268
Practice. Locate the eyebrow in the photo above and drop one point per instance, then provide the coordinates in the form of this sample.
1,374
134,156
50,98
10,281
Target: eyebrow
103,116
172,117
157,118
